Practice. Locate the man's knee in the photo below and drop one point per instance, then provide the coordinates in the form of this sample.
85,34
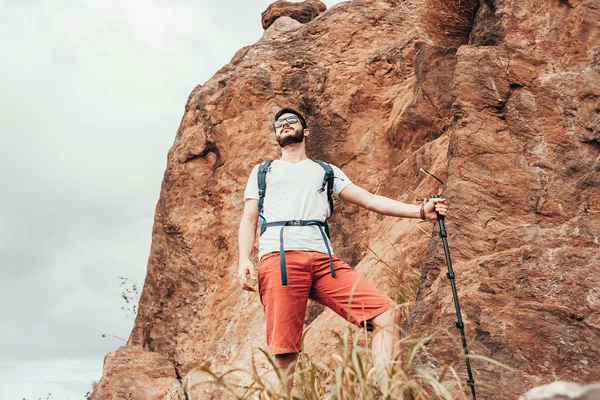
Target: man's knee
391,317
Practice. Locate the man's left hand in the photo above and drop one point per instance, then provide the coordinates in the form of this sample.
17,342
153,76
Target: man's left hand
440,205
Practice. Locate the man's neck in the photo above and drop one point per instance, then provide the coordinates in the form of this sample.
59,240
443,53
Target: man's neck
294,153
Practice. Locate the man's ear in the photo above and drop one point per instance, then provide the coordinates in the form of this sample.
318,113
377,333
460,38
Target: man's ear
306,132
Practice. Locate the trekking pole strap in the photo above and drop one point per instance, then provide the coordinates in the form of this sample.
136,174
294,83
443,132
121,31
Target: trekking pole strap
319,224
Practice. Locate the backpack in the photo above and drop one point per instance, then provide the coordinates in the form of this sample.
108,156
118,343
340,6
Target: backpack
327,184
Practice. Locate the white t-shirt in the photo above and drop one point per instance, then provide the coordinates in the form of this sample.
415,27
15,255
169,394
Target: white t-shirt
292,193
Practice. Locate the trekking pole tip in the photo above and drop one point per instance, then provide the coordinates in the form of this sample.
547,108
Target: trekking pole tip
421,169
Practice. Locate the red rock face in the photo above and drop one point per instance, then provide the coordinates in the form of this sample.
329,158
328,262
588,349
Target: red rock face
511,122
524,173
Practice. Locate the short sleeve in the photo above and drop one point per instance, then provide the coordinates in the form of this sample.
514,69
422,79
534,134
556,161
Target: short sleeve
251,191
340,180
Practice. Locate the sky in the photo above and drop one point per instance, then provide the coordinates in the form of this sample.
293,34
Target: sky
91,95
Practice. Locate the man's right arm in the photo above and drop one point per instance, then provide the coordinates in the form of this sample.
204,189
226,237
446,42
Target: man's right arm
246,237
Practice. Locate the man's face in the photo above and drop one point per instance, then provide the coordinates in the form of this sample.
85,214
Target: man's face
289,133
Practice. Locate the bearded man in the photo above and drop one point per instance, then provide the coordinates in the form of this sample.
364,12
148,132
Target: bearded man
297,261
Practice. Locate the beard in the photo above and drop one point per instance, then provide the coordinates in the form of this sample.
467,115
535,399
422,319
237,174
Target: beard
290,138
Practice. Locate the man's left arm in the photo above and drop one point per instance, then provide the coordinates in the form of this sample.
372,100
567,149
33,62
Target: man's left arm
384,205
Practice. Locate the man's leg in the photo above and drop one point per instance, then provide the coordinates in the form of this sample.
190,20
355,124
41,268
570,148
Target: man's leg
285,307
287,365
354,298
385,344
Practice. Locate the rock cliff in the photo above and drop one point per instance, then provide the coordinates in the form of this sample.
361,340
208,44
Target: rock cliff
510,120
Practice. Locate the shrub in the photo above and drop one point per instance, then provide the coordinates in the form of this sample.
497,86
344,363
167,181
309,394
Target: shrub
444,23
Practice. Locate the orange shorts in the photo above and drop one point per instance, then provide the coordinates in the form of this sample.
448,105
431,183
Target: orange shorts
348,294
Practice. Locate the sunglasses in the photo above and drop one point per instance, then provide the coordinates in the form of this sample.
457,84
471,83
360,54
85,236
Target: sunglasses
292,119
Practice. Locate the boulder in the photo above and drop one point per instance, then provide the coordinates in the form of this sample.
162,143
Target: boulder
561,390
303,12
132,373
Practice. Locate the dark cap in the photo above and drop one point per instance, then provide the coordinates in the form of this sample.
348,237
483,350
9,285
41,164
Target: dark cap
291,111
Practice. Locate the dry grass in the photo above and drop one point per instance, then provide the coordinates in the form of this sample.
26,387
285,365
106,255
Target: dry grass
350,374
444,23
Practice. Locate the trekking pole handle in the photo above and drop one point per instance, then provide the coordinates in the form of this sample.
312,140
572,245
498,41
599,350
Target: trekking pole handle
440,217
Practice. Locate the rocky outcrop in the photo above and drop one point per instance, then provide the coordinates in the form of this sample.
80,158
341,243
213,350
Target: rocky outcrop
302,12
510,122
132,373
563,391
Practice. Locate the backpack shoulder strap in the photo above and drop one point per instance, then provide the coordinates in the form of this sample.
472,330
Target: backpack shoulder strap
263,168
327,181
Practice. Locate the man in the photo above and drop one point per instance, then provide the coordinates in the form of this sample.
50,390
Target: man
309,269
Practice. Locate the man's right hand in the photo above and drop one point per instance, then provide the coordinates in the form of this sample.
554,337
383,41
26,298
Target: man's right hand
245,271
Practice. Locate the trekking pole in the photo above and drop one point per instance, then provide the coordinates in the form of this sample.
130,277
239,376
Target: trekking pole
460,325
